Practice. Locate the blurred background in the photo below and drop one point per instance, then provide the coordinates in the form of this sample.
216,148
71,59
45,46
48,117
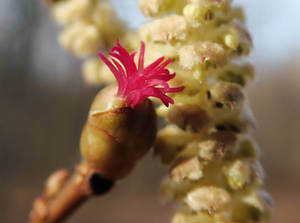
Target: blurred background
43,105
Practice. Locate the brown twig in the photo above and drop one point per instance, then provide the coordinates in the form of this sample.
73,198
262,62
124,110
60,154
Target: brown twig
61,196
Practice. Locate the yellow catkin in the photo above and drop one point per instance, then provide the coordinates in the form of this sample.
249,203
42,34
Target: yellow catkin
214,167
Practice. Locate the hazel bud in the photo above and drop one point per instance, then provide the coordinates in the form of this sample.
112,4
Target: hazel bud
55,182
115,136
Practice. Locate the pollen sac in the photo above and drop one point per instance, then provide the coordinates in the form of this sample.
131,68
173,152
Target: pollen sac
170,142
154,7
116,136
200,53
217,145
237,38
225,94
255,206
208,199
188,117
190,168
198,13
239,174
173,27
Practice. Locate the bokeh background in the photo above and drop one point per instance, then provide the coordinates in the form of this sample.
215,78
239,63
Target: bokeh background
43,105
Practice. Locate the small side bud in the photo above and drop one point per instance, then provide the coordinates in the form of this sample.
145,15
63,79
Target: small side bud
39,211
55,182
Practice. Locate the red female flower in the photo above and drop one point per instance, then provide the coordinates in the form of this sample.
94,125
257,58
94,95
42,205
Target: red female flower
137,83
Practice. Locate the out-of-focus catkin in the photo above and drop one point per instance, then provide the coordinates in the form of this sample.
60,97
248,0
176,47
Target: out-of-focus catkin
214,164
88,26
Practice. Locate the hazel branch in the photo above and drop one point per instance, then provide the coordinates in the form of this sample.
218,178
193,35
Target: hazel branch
62,196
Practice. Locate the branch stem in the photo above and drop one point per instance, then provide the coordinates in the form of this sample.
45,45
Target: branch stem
61,198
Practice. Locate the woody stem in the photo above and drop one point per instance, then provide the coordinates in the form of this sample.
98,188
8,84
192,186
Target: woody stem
82,185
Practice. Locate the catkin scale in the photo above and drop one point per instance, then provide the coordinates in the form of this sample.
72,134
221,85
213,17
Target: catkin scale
116,136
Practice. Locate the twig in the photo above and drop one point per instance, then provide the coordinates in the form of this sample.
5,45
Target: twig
61,196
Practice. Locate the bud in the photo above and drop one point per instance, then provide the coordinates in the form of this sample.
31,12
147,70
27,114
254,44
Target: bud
116,136
55,182
226,94
121,125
